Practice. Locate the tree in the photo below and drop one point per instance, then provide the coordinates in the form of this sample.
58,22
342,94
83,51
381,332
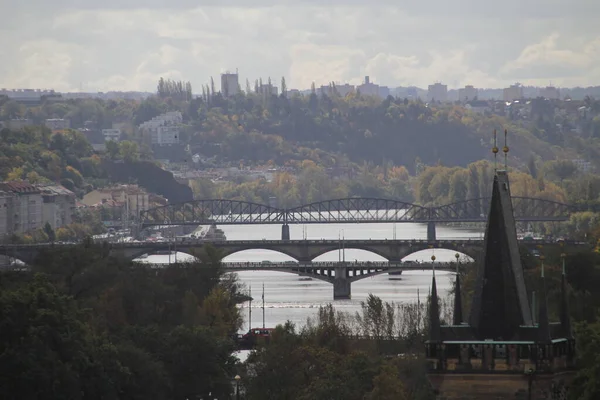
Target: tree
388,386
128,151
50,232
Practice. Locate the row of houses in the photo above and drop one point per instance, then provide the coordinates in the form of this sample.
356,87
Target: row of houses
25,207
54,124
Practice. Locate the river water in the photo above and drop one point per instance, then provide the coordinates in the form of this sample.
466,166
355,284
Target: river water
287,297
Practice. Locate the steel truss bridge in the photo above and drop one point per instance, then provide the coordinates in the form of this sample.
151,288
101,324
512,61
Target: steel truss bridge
350,210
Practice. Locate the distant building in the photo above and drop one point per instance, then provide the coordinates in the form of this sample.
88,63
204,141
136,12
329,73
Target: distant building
265,88
57,124
478,106
131,197
163,129
334,89
583,165
550,93
58,205
18,123
512,93
29,96
369,88
468,93
230,85
437,92
111,135
23,202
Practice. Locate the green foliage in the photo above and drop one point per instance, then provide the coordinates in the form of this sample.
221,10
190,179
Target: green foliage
91,326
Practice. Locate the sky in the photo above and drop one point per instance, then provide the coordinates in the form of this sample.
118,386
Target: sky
124,45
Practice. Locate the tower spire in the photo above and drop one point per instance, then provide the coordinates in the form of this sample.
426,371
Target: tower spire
457,319
505,150
543,323
434,311
495,151
565,320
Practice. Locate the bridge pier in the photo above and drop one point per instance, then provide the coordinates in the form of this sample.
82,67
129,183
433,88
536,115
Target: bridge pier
285,232
431,236
341,284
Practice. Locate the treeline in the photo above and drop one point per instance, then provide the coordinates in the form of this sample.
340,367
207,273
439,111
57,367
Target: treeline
84,325
177,90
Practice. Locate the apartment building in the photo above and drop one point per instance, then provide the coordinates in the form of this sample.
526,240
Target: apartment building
57,124
437,92
23,204
468,93
58,205
111,135
163,129
230,85
130,197
512,93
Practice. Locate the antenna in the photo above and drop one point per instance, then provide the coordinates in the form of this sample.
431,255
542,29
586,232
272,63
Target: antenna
250,310
495,151
505,150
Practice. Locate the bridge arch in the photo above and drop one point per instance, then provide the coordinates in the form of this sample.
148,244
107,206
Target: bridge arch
357,209
211,211
227,252
443,255
351,252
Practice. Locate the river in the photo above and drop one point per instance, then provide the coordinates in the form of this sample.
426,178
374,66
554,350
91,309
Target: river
289,298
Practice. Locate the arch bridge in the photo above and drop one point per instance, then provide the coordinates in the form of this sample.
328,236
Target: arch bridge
348,210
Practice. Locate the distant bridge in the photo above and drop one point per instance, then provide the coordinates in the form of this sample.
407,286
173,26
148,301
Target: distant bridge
304,251
349,210
340,274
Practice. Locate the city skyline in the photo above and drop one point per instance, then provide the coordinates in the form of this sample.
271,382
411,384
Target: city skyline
128,45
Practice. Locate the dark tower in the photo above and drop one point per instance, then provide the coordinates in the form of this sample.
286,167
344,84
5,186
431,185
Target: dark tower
501,353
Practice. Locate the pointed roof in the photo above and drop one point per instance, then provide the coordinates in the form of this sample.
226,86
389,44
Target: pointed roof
458,317
500,304
565,320
543,323
434,313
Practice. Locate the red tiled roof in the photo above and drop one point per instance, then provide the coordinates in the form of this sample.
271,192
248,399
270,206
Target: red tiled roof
18,187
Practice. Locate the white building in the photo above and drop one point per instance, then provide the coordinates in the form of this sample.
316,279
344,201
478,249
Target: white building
230,84
165,135
437,92
512,93
550,93
583,165
57,124
111,135
163,129
468,93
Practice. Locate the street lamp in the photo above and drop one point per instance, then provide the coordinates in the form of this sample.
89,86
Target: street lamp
237,387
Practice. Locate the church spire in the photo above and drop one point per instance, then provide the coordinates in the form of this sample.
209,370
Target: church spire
543,324
565,320
434,310
500,305
458,317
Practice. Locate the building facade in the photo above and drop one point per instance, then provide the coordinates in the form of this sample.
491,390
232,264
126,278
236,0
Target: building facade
111,135
163,129
437,92
230,84
24,205
468,93
58,205
512,93
57,124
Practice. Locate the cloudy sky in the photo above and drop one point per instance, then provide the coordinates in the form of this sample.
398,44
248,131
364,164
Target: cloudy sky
128,44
